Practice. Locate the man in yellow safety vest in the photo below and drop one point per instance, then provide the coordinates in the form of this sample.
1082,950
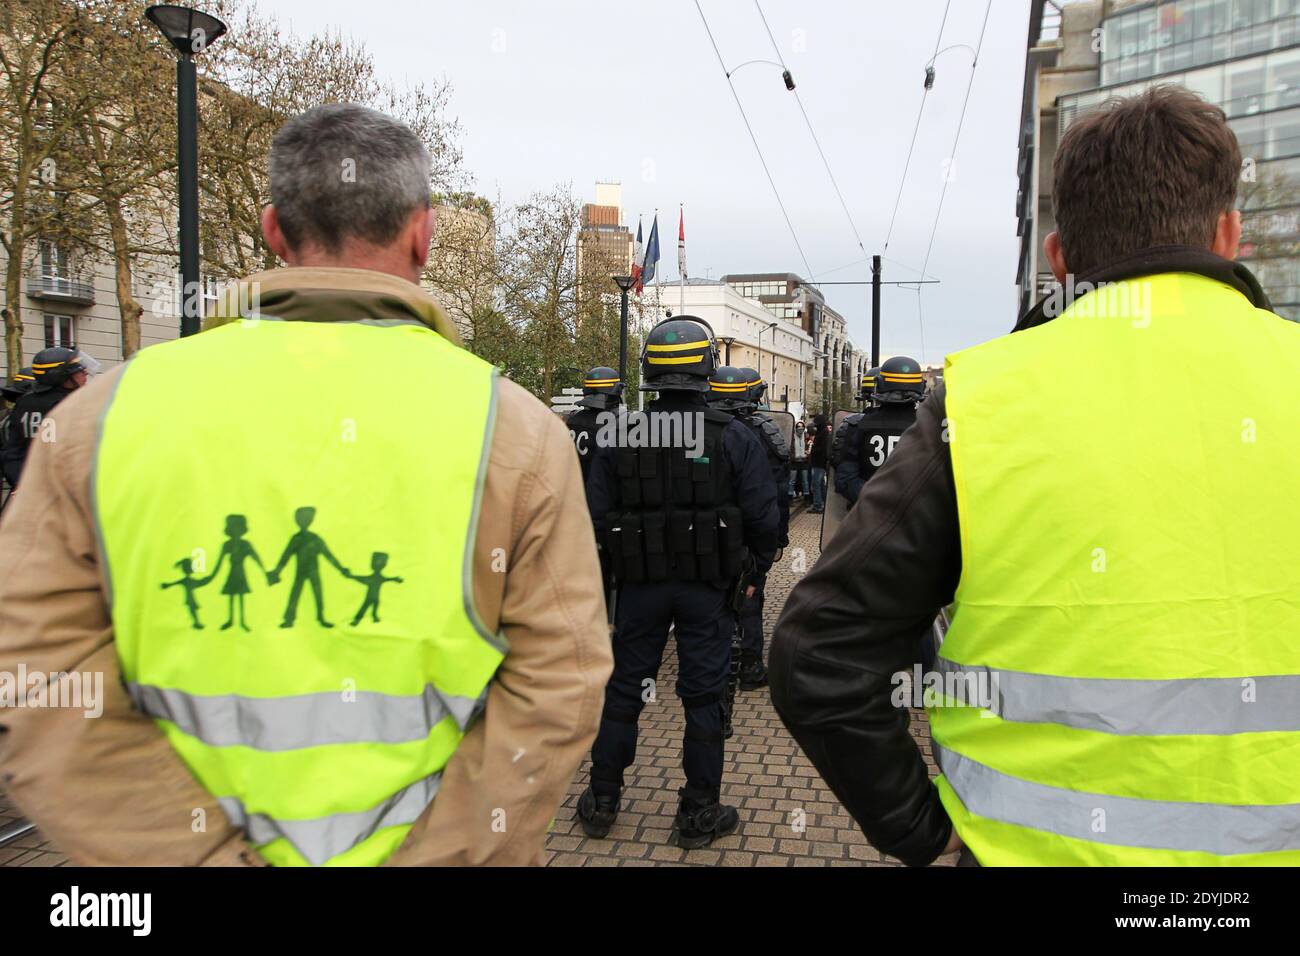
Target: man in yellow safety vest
444,729
1120,684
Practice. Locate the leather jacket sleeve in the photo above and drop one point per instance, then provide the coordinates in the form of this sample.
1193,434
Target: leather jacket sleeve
856,620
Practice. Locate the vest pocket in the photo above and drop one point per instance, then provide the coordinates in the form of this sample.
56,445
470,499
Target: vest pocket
682,537
702,482
707,559
625,548
652,485
680,469
731,540
654,526
628,484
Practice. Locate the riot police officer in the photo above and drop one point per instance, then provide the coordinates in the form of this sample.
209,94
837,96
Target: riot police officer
684,528
867,390
866,399
56,373
743,403
870,436
11,392
602,391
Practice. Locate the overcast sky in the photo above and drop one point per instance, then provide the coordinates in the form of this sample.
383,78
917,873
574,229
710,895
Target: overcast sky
580,90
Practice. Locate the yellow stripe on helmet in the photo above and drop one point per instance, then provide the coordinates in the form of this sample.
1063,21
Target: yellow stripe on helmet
677,346
680,360
599,382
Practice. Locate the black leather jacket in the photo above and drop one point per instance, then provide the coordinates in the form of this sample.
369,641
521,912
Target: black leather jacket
859,614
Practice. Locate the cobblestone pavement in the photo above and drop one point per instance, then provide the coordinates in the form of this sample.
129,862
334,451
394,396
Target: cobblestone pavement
30,849
787,815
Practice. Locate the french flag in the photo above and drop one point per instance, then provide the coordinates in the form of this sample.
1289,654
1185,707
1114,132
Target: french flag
637,256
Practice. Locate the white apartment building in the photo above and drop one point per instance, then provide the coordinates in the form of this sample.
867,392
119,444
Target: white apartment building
780,350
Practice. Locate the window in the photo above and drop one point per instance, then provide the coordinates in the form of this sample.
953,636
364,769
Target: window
54,261
1250,136
1208,83
1250,12
1284,132
59,330
1245,89
1284,78
211,286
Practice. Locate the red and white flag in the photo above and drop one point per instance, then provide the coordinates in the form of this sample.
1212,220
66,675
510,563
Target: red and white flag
681,245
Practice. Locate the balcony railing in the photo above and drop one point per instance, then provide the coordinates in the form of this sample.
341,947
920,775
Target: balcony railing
61,288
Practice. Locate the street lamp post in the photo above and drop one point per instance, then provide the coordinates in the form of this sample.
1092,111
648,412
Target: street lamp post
624,283
189,32
772,326
726,340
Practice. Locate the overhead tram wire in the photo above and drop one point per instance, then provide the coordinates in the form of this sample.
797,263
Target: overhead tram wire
811,131
915,129
952,155
772,182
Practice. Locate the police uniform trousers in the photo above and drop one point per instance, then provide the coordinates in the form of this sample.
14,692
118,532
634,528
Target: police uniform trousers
751,623
702,620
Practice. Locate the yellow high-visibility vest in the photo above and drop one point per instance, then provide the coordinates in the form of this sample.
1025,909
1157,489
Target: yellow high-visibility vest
1122,674
288,545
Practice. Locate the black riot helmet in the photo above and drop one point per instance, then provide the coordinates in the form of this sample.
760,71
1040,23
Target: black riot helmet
757,387
679,355
900,381
867,387
601,389
54,366
20,386
729,388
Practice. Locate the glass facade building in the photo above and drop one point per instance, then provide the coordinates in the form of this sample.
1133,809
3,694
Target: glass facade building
1243,55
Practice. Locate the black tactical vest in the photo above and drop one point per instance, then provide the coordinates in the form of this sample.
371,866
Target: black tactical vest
678,519
881,427
583,427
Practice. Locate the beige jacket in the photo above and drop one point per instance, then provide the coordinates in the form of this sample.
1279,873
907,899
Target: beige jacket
111,790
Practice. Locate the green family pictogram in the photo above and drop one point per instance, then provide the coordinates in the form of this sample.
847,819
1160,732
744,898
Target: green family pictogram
306,548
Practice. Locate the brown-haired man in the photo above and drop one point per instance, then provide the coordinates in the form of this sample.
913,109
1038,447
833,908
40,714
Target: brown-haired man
1119,684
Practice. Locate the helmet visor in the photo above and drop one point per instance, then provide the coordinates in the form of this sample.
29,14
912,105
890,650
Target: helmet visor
91,365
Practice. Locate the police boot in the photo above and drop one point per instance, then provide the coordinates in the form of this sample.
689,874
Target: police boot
753,675
597,812
699,823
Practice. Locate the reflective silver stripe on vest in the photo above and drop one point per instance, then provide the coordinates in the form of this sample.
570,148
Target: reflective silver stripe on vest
305,720
1221,829
1202,705
323,838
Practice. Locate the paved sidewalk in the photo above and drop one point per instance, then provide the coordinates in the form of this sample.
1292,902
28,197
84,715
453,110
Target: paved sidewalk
788,817
30,849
